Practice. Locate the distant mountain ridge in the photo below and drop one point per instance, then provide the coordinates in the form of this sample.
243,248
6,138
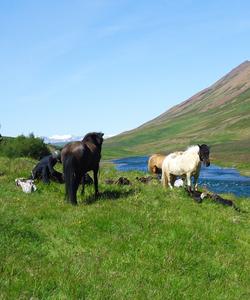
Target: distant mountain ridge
225,89
64,139
57,139
218,115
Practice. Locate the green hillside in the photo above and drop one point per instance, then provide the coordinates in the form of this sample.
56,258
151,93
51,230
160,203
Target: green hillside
218,116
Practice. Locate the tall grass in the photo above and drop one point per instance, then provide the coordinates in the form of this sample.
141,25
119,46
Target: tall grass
134,242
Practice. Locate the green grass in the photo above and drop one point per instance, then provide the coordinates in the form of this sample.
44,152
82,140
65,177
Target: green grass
134,242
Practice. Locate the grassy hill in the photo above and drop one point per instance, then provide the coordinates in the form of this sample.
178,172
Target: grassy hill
218,116
135,242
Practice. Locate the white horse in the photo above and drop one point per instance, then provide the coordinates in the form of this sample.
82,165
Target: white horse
187,163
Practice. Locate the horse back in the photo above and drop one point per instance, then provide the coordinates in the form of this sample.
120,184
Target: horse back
180,163
87,155
155,160
71,149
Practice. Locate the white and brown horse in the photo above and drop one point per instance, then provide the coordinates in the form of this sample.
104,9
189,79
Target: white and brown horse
187,163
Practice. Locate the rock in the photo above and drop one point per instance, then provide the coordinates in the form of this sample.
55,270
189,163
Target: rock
145,179
122,181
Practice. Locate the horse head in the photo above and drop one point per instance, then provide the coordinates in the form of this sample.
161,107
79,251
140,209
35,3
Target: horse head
94,137
156,170
204,154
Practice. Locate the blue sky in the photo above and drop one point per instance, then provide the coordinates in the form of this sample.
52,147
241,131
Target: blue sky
70,67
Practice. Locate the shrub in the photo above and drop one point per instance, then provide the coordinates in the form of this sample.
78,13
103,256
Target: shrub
23,146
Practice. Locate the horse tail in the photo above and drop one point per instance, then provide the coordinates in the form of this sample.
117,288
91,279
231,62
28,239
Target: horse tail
70,178
164,176
149,164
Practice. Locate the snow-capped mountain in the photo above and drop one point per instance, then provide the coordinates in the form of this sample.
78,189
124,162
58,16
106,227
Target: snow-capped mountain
66,138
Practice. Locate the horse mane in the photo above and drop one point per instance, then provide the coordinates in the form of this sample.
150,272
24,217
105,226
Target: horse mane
193,149
93,137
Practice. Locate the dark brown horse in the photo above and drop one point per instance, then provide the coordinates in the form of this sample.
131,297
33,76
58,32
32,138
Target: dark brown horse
78,158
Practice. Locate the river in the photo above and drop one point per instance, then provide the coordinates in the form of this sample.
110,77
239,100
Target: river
214,178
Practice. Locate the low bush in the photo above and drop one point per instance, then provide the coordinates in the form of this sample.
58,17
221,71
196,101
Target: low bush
23,146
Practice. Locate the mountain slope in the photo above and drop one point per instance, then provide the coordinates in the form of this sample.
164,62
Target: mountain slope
218,116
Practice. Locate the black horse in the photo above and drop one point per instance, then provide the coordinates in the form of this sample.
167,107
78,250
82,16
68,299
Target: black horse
78,158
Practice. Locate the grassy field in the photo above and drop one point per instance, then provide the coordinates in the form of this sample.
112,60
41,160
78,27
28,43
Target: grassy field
134,242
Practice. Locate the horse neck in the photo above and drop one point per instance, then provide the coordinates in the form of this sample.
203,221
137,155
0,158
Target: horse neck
193,149
93,147
192,155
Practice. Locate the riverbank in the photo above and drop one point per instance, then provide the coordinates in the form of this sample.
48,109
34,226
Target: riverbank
134,242
230,155
242,167
216,179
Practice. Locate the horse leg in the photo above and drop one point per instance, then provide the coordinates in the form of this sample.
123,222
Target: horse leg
71,187
188,176
173,178
83,184
72,179
96,182
169,180
196,176
75,181
184,179
164,178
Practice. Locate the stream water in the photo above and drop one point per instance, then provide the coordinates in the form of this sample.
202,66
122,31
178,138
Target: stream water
216,179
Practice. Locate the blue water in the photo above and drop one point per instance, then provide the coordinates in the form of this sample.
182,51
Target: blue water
214,178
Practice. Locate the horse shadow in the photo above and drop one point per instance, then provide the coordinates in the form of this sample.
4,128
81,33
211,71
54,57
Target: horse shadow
108,195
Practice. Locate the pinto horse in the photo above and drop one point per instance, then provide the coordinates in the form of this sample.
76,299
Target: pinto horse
78,158
187,163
